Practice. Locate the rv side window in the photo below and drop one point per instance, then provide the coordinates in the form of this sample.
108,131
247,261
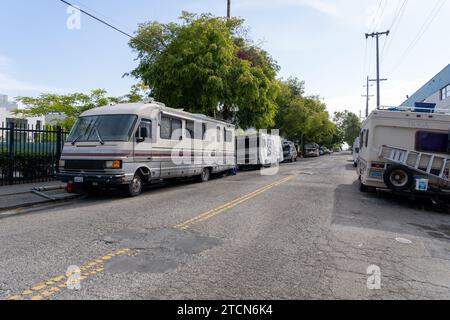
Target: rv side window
177,127
366,143
218,134
361,140
190,129
204,131
431,142
228,136
169,127
166,131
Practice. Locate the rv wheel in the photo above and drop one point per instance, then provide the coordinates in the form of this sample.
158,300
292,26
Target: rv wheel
398,178
206,175
135,187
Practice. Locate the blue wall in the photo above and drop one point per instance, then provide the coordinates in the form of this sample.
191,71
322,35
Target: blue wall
441,80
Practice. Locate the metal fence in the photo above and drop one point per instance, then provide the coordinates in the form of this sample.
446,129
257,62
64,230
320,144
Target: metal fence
29,154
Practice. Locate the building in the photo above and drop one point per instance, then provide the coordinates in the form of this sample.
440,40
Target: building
437,91
7,115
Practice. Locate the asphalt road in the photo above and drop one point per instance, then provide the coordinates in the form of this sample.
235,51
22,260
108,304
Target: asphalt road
306,233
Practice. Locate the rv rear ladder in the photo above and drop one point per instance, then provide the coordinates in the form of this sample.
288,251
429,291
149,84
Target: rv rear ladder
414,160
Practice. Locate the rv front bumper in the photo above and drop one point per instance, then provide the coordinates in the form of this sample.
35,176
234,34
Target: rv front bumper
92,179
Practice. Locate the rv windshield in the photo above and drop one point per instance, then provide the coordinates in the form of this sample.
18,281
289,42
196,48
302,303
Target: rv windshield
103,128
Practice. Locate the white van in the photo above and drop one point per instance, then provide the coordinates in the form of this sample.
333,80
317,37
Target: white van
133,144
259,150
401,146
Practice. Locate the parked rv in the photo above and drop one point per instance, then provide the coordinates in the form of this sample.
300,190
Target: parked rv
312,150
404,149
258,150
130,145
289,151
355,152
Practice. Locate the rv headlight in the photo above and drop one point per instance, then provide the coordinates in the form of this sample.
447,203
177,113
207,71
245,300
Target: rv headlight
62,163
116,164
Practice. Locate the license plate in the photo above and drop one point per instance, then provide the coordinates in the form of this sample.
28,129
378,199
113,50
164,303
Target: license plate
79,180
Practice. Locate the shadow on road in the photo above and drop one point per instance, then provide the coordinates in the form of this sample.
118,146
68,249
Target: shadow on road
390,213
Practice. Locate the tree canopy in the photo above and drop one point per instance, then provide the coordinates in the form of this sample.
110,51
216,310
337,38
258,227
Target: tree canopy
205,64
67,108
349,126
303,119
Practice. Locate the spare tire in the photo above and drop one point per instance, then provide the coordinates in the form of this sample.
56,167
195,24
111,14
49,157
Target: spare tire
398,178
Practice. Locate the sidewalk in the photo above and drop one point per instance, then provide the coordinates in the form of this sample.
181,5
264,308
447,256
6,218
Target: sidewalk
20,196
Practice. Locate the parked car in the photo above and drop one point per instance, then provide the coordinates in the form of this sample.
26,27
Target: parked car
289,151
325,151
312,150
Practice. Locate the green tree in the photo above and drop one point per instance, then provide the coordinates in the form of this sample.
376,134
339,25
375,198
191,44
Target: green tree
205,65
303,119
67,108
349,126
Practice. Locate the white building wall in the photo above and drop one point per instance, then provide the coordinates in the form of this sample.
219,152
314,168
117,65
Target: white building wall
6,114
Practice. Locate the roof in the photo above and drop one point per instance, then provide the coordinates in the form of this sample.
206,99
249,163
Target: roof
140,107
439,81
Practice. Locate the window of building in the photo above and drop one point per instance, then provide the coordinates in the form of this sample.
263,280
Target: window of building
431,142
445,92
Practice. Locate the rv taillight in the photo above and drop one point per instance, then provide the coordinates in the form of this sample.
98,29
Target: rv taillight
378,165
70,187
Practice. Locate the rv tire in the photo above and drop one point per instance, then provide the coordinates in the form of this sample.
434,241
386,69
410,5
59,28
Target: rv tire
206,175
134,189
398,178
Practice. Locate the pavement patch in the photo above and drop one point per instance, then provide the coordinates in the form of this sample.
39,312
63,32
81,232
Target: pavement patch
160,249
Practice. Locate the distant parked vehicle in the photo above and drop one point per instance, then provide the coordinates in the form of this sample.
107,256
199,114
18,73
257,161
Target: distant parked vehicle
290,153
356,146
312,150
258,150
325,151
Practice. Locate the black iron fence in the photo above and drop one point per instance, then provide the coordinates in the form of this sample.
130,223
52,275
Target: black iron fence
29,154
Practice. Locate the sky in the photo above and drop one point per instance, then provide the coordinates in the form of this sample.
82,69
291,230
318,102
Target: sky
319,41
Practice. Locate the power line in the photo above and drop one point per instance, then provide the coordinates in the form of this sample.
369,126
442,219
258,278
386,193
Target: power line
426,25
376,15
394,26
377,35
104,22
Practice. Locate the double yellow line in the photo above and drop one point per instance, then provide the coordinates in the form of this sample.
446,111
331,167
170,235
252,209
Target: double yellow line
214,212
53,286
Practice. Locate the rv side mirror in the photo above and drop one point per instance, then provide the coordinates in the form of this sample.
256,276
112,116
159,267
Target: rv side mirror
144,133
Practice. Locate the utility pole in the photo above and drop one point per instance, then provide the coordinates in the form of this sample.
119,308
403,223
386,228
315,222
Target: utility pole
367,96
377,36
228,9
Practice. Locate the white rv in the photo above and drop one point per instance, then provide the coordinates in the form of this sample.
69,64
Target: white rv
405,149
259,150
133,144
